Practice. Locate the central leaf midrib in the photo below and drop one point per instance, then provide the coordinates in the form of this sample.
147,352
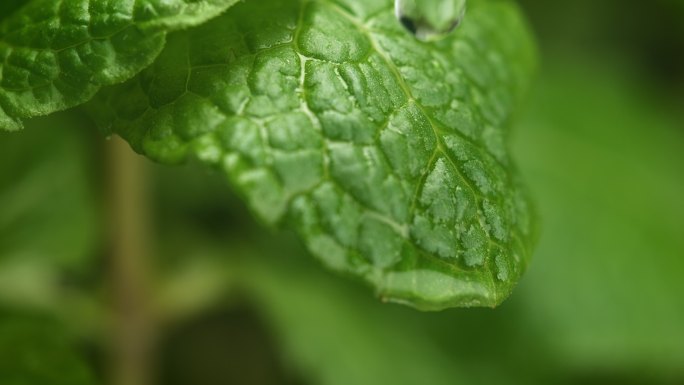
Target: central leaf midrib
441,146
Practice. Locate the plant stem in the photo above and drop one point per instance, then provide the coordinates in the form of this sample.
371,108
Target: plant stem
132,321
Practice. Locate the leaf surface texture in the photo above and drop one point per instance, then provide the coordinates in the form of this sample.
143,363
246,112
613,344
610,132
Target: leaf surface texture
57,54
388,154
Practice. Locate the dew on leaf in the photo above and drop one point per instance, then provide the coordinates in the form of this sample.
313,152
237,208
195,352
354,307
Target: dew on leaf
387,155
430,20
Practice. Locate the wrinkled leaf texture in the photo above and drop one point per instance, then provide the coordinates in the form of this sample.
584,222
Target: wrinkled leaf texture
389,155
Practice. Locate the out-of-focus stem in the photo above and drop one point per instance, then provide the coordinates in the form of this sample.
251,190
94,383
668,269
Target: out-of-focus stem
132,328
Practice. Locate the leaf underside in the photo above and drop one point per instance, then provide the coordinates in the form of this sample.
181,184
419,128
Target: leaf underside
56,54
387,154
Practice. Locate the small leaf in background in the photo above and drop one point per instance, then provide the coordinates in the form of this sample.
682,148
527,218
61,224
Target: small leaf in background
388,154
58,54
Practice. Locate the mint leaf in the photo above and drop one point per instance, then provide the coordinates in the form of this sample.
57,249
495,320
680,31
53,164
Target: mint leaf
58,54
386,153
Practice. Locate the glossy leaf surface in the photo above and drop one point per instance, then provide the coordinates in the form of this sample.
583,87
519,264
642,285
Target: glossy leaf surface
387,153
58,54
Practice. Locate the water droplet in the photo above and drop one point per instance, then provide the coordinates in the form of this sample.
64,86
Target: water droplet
430,20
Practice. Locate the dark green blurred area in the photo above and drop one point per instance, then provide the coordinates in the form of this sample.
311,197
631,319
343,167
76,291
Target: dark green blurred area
600,142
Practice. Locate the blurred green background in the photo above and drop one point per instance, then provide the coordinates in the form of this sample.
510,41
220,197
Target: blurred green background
218,299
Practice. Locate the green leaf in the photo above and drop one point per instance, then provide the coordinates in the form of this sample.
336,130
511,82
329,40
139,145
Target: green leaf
388,154
58,54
